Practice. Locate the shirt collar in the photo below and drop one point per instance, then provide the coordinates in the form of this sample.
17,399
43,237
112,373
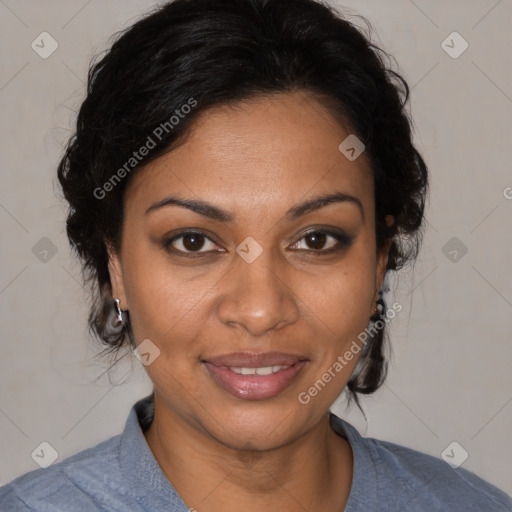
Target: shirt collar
145,479
364,487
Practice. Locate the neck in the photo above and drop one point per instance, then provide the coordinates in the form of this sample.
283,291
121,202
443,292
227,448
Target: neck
313,472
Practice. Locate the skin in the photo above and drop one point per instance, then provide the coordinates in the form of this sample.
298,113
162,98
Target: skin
256,160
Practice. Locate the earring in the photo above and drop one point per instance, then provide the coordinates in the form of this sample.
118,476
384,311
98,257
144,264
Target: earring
380,309
118,321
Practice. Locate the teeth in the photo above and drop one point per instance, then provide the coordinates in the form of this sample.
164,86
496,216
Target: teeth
263,370
266,370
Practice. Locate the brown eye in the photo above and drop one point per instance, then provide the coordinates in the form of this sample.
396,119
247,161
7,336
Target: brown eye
189,242
316,241
193,241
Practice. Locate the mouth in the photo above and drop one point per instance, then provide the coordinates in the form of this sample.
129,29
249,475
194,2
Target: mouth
253,376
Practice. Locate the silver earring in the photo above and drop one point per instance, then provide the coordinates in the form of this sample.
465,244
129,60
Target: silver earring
119,314
380,309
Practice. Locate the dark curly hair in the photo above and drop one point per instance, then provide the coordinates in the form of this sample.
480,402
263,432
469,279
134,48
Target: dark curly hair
220,52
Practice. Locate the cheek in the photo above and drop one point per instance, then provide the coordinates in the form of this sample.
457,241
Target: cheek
339,314
342,313
343,297
168,311
164,306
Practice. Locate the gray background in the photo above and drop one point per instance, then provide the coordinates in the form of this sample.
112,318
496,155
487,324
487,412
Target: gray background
450,377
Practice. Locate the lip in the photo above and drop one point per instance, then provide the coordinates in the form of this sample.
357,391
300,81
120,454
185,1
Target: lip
254,387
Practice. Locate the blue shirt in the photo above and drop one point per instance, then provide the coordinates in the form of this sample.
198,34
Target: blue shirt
121,474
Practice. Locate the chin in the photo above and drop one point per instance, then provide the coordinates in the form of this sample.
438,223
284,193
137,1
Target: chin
254,427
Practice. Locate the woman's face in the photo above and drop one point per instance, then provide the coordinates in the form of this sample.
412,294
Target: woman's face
254,291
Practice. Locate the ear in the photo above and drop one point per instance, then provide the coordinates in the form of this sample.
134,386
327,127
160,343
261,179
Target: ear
115,270
382,259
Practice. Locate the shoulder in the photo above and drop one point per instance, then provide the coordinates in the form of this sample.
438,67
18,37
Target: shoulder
78,482
401,478
425,480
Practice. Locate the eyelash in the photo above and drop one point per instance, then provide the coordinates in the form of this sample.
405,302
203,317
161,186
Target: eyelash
343,240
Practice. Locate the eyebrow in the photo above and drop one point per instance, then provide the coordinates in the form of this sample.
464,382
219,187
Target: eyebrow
218,214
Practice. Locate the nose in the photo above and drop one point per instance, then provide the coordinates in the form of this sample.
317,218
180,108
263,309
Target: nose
258,296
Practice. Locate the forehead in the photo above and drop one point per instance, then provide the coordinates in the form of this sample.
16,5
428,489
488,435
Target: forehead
273,150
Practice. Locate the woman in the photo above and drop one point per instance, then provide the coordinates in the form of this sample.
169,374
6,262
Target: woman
241,181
